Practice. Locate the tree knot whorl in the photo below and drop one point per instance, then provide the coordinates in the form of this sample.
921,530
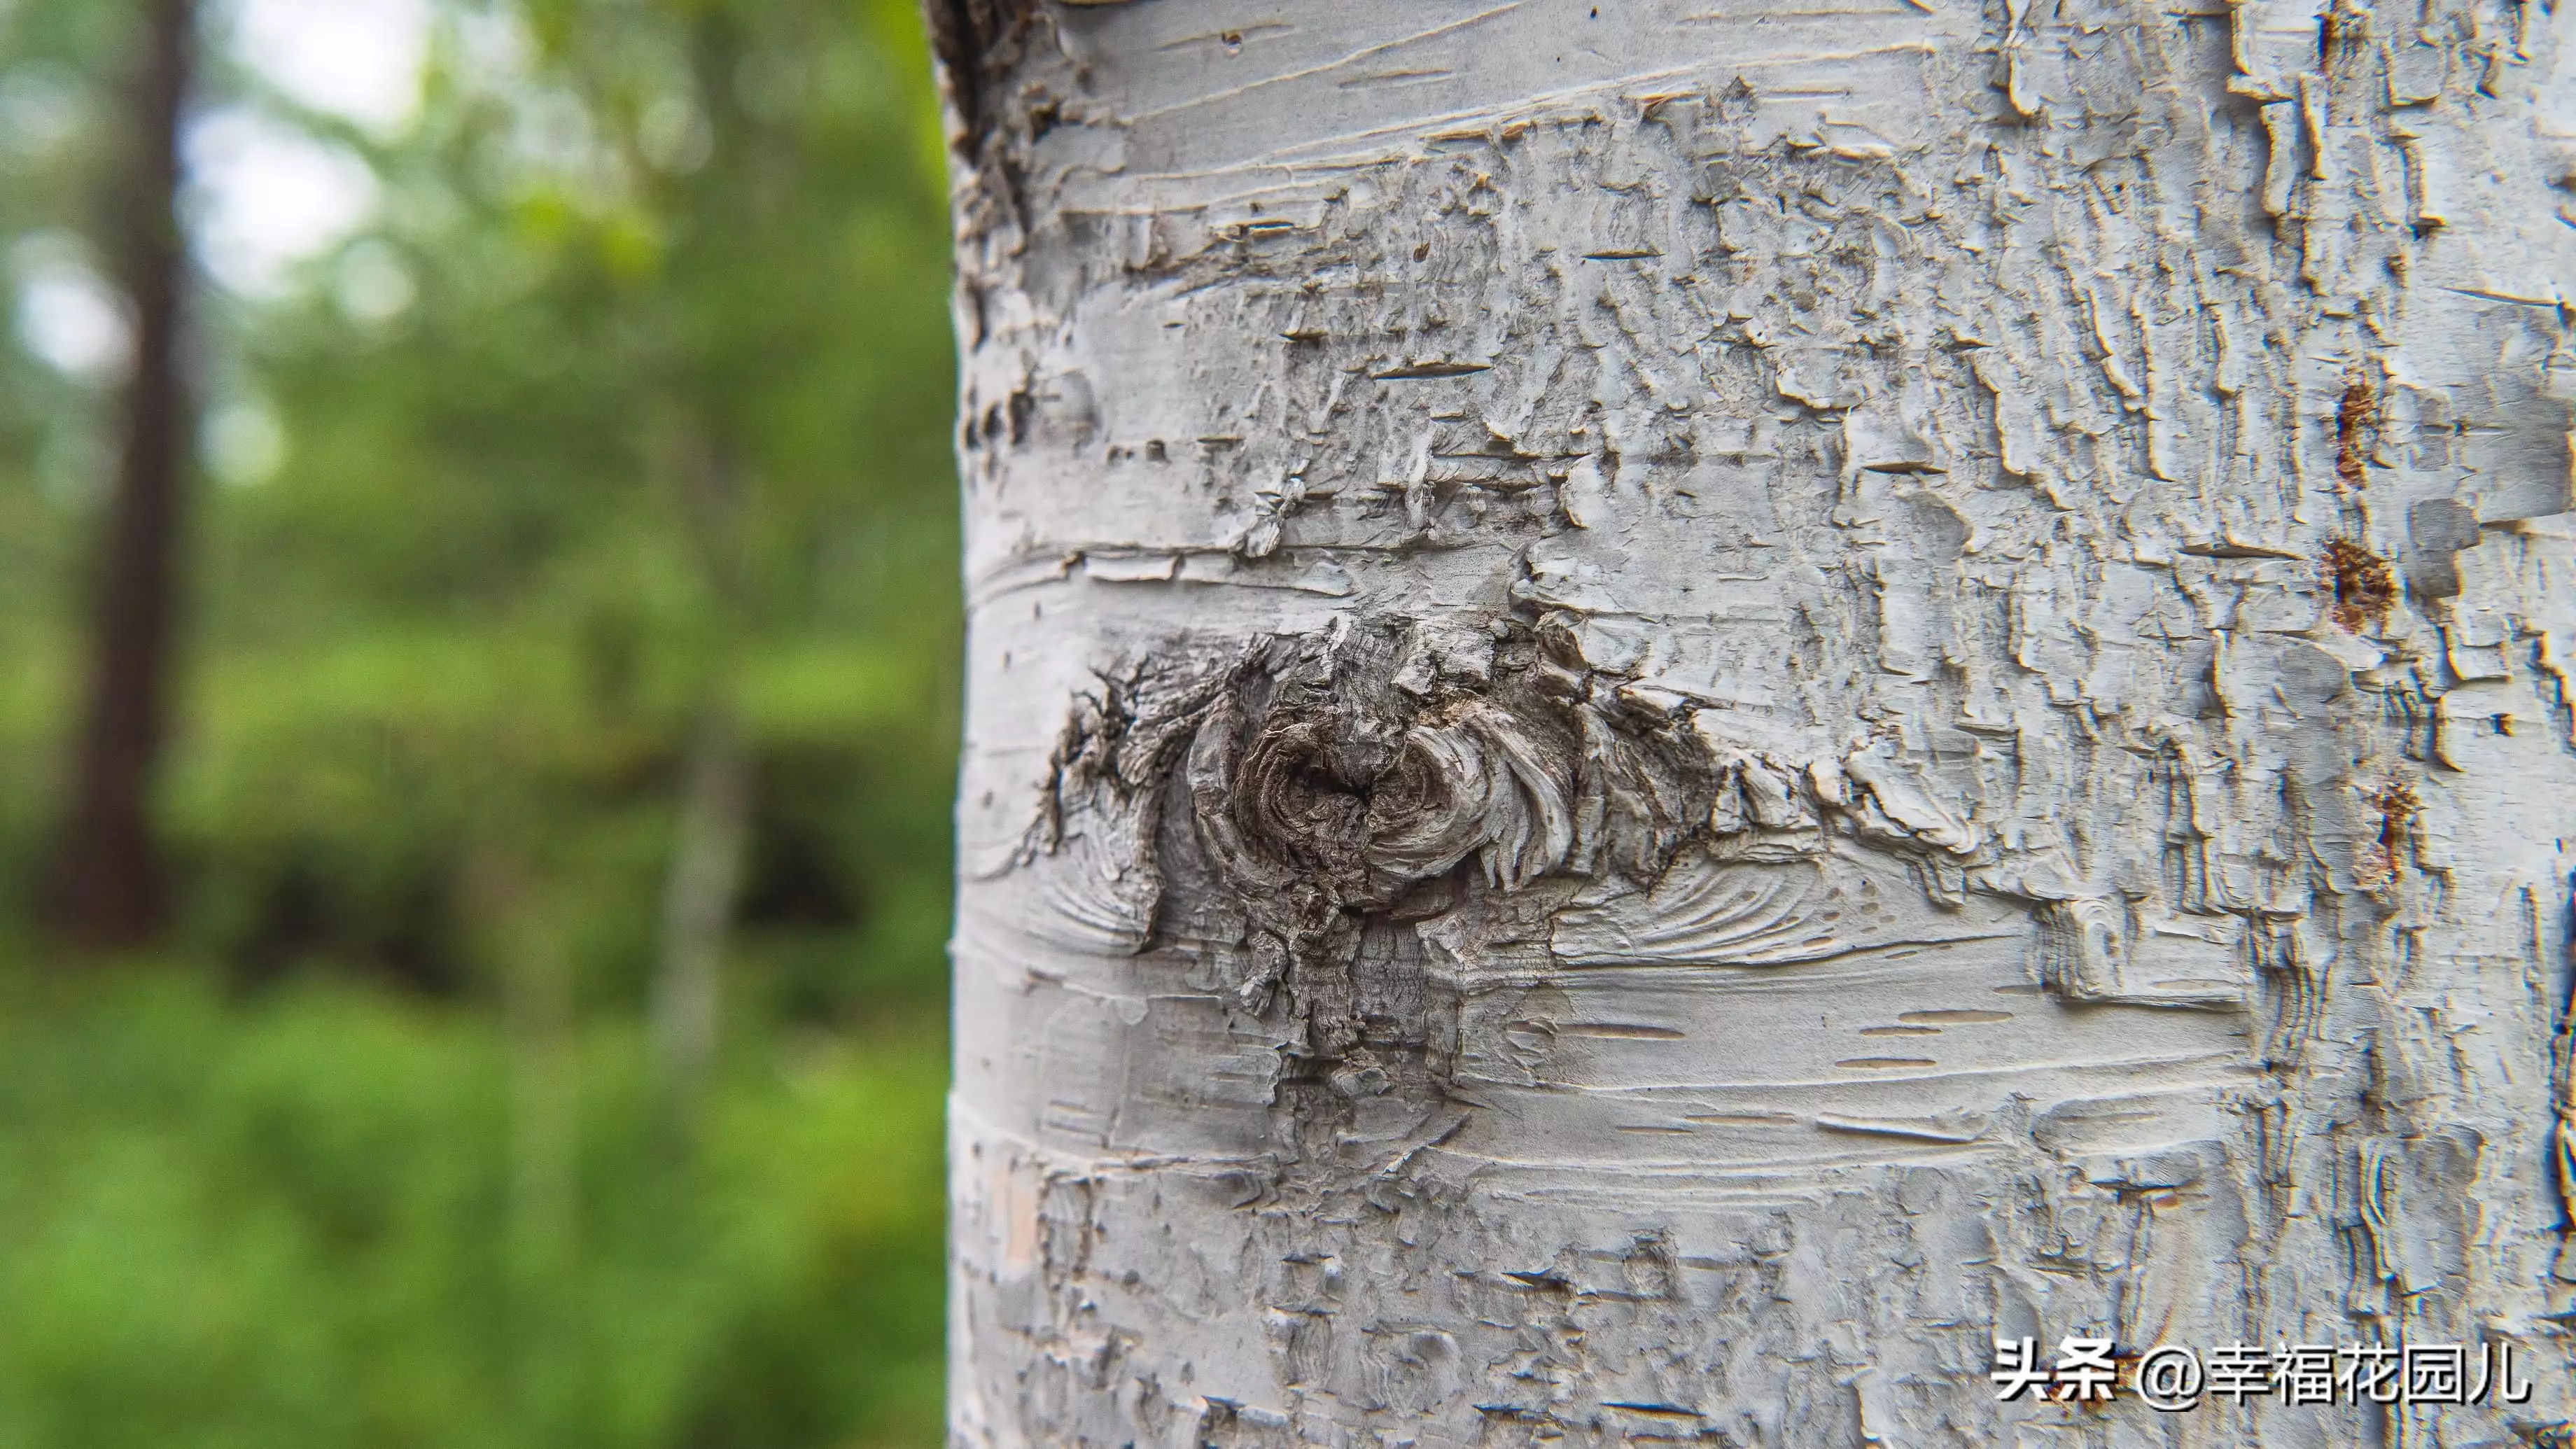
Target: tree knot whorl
1358,793
1471,779
1324,795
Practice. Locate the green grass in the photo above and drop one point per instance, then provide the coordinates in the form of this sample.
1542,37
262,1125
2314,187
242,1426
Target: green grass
326,1215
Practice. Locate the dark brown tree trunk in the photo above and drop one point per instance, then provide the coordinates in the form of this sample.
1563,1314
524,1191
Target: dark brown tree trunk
107,890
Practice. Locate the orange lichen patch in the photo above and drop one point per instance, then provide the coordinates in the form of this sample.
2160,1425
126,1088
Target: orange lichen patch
2365,588
2394,807
2353,419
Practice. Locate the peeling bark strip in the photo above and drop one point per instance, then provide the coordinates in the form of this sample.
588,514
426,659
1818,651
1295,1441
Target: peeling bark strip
975,43
1676,712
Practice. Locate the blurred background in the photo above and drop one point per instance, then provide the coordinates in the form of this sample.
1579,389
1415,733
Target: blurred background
477,701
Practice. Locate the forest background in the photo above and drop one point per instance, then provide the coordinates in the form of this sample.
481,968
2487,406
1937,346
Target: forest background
538,1034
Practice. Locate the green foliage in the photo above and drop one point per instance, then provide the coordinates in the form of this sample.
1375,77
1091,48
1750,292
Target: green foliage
629,403
312,1220
631,400
481,572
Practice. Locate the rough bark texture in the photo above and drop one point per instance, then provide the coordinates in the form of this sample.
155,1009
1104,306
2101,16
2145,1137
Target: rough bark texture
1676,709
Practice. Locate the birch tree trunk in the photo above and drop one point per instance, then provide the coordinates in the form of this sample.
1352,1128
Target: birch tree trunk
1677,709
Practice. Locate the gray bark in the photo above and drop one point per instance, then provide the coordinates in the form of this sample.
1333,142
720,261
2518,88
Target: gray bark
1677,710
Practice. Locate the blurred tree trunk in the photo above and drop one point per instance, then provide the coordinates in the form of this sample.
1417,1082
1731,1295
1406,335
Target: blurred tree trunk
1678,712
107,889
698,904
705,876
704,458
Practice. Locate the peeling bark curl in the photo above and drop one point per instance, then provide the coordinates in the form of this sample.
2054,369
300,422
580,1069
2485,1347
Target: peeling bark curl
1793,689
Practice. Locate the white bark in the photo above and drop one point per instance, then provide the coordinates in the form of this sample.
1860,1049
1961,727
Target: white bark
1678,708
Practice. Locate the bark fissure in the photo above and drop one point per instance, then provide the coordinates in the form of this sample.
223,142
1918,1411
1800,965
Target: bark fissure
1791,690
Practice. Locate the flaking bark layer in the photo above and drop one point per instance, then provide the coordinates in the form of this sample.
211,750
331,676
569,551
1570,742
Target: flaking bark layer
1676,711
